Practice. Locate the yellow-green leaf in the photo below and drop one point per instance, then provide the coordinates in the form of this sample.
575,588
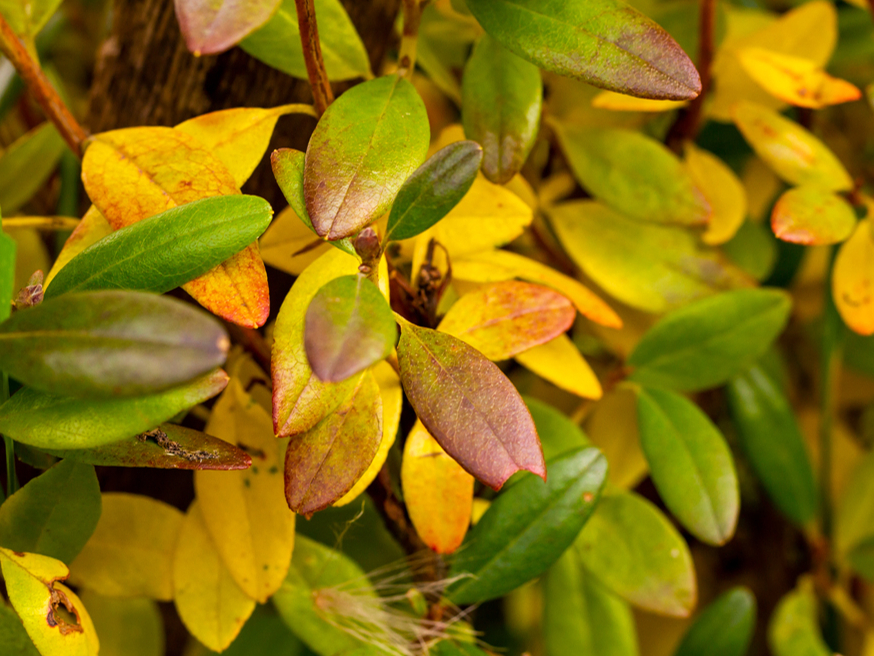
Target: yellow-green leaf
812,216
127,627
794,627
28,162
289,245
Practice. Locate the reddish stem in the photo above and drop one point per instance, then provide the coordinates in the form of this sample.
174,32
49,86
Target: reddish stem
312,54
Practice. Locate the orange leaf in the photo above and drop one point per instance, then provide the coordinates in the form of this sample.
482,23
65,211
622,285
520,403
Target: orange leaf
135,173
437,491
853,280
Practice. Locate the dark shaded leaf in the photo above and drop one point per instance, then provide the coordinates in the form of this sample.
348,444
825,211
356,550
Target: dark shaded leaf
363,149
468,405
602,42
527,528
110,344
433,190
212,27
13,636
724,628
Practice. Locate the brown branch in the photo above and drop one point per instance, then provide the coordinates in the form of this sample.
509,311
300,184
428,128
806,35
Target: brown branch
312,54
41,89
410,37
688,123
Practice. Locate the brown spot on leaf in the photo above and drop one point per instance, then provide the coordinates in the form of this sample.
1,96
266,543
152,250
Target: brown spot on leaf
61,602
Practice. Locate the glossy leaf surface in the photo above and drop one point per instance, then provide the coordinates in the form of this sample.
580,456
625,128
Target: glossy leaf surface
54,514
605,43
502,96
632,548
433,190
724,628
504,319
438,493
213,27
110,344
59,422
349,327
770,437
560,362
812,216
707,342
528,527
169,249
794,627
633,174
324,463
853,279
363,149
468,405
130,553
690,464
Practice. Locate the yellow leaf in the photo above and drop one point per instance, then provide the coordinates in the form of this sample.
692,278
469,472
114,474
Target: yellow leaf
762,186
31,254
437,491
127,627
619,102
853,280
808,31
723,191
210,604
612,427
245,511
560,362
796,80
284,240
135,173
492,266
238,137
92,228
392,400
130,553
34,588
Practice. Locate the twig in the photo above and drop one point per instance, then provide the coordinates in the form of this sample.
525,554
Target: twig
688,123
42,90
410,37
312,54
42,222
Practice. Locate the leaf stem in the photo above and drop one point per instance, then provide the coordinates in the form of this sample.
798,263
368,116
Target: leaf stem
42,222
312,54
44,93
410,38
688,122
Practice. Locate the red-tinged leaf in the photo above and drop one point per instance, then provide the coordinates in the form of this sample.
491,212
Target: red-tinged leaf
507,318
211,27
812,215
167,447
349,327
323,464
468,405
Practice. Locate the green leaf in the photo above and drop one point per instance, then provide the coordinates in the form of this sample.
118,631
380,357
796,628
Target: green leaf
854,519
811,215
580,616
527,528
501,103
168,249
450,648
288,167
794,626
13,637
278,43
212,27
602,42
663,267
708,342
632,548
468,405
110,344
325,462
7,274
54,514
127,627
349,327
753,249
27,164
322,589
433,190
557,433
57,422
633,174
363,149
724,628
166,447
690,464
770,437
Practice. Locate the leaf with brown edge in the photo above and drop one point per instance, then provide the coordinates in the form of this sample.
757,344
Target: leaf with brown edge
324,463
812,216
504,319
34,588
349,327
211,27
134,173
468,405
